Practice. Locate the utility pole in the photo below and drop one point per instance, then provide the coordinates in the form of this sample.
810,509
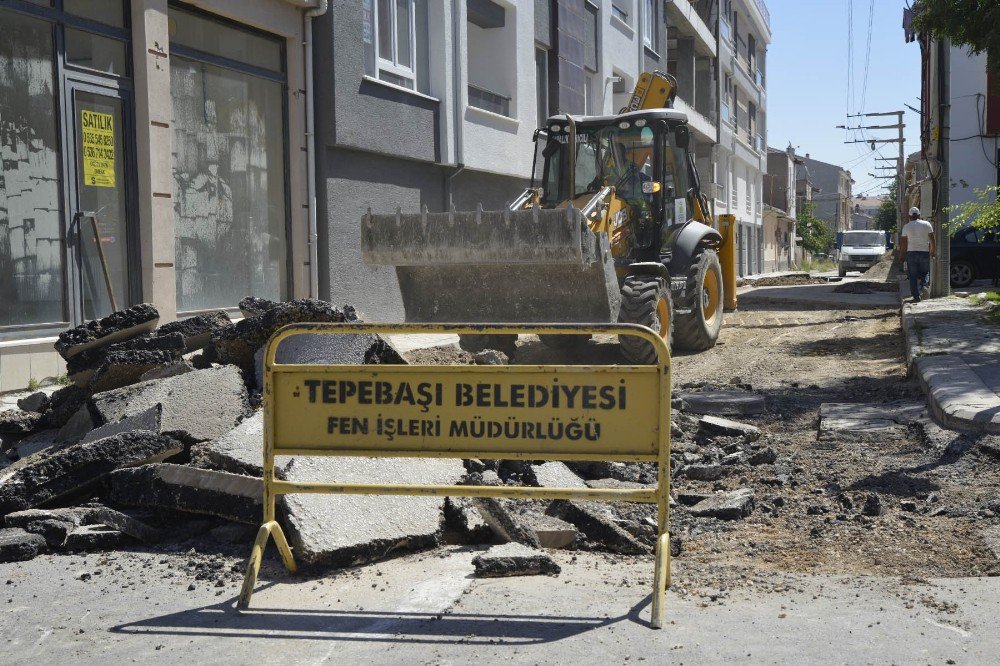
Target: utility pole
900,161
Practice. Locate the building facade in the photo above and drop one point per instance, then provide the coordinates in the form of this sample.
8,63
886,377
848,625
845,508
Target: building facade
780,210
832,199
741,155
436,103
153,151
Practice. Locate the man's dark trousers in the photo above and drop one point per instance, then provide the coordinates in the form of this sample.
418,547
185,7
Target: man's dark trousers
918,265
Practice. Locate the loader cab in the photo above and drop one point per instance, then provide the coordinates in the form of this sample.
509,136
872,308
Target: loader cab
642,154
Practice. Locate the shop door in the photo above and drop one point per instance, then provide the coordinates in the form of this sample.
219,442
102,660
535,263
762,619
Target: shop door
102,218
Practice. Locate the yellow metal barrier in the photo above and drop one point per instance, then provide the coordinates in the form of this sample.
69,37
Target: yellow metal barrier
534,412
727,257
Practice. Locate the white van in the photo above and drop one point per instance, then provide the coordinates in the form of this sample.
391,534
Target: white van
860,250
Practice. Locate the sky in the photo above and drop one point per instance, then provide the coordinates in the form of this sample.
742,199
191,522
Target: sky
816,75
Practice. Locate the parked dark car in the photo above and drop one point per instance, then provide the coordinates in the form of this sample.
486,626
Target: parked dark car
975,255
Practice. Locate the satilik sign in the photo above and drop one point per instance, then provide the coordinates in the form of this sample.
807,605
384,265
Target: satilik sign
535,412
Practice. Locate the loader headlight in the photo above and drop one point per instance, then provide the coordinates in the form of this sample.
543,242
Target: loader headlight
556,128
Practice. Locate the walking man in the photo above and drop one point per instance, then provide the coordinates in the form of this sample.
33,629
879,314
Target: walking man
916,245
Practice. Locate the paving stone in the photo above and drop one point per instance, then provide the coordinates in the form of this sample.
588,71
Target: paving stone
197,331
463,518
552,532
78,466
341,530
189,489
93,537
507,525
19,422
237,343
597,524
726,505
331,349
241,450
17,545
148,420
726,403
714,426
117,326
556,474
36,402
197,406
514,559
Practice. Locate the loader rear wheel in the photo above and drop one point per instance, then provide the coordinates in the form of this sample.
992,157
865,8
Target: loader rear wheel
646,300
699,329
477,343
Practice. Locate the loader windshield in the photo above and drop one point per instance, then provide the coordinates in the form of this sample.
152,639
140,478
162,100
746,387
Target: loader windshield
622,155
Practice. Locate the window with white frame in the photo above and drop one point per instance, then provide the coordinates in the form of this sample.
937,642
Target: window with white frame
649,24
394,33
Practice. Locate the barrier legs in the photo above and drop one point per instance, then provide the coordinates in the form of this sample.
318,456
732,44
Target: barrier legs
266,531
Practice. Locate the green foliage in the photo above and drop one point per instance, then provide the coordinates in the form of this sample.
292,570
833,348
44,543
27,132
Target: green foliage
886,216
969,23
817,238
33,384
983,212
62,380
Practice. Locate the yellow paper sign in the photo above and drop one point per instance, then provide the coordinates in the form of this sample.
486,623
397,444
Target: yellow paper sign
479,411
98,132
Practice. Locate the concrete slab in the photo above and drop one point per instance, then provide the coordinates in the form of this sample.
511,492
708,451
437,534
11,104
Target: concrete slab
726,505
597,523
514,559
198,406
330,349
241,450
78,467
238,342
822,295
851,417
463,519
716,425
506,525
17,545
341,530
93,537
189,489
148,420
722,402
556,474
552,532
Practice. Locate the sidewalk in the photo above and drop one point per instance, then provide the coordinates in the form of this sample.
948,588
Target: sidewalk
955,353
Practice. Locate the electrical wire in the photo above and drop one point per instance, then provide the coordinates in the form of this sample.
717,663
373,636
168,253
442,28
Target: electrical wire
868,55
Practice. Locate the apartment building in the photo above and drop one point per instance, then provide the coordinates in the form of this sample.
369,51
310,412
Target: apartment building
833,200
741,156
435,104
152,151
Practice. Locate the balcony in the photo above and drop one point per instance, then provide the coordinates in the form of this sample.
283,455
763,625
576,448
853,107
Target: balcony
702,126
682,15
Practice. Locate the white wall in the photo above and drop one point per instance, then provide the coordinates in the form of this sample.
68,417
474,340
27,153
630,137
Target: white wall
972,162
619,51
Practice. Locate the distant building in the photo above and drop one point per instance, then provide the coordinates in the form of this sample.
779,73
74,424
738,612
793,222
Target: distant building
780,209
833,202
864,212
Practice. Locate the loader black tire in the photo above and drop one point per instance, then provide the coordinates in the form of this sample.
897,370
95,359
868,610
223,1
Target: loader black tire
565,342
477,343
646,300
699,329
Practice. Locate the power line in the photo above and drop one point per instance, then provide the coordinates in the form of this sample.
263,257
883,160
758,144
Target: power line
868,55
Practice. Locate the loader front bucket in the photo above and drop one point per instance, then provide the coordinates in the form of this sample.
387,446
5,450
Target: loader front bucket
503,266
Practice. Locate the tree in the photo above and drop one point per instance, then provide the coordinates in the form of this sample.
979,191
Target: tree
983,212
885,216
969,23
817,238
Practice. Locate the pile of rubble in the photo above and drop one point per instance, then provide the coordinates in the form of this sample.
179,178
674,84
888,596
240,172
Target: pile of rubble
160,429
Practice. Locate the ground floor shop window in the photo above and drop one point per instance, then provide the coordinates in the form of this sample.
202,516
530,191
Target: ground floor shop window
229,166
32,282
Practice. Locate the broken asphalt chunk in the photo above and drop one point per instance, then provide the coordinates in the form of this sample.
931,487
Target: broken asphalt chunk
17,545
514,559
196,331
714,426
726,505
118,326
597,524
79,466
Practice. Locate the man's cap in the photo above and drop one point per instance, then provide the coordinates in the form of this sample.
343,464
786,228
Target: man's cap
914,211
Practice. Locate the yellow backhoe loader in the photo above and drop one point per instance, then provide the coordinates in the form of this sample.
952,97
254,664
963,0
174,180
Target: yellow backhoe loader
612,228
